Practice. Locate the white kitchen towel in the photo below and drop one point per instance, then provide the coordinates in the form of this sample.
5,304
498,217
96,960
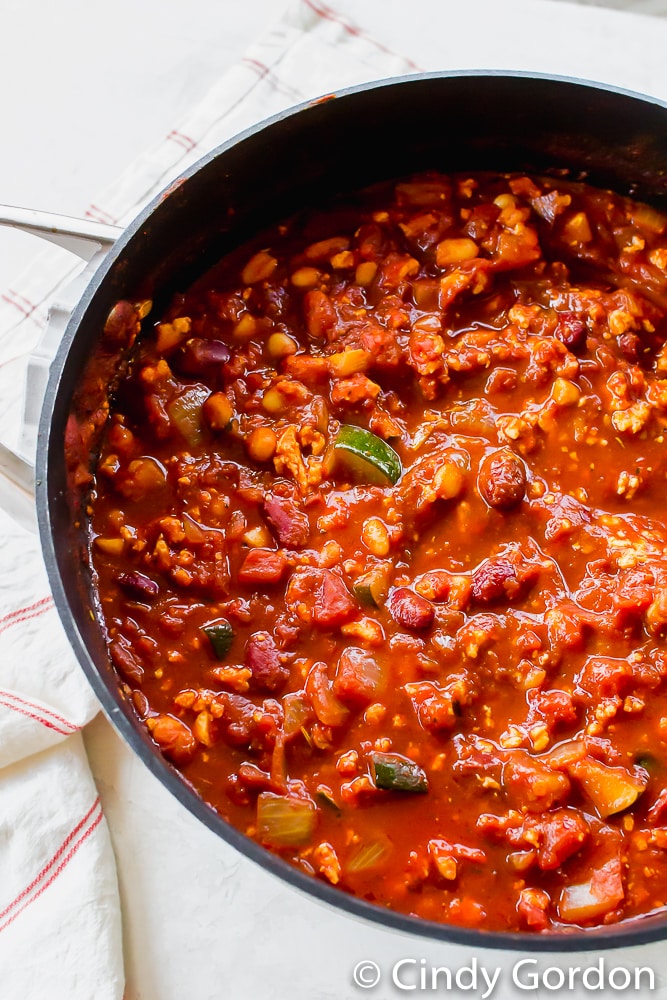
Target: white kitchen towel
60,926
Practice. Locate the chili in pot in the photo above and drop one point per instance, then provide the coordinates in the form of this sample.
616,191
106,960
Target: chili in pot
380,551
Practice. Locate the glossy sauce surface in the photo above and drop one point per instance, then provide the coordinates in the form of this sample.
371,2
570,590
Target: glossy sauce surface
379,536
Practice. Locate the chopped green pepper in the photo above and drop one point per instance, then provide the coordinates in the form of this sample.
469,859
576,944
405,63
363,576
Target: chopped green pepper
398,774
221,635
366,456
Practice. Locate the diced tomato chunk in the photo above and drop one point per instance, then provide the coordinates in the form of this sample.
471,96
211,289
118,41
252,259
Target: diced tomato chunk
263,566
320,597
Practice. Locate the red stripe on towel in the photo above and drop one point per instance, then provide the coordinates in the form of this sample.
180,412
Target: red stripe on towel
54,866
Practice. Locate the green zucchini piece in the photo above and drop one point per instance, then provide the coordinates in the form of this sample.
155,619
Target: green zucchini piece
284,820
371,588
326,798
398,774
370,854
366,456
221,635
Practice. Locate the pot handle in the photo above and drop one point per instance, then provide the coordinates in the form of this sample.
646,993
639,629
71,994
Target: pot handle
83,237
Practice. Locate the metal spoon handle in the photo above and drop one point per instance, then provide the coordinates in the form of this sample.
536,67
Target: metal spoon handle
83,237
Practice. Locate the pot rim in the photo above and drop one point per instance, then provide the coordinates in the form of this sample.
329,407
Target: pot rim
632,932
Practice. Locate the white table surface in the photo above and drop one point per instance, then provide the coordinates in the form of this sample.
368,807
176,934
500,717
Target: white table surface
86,87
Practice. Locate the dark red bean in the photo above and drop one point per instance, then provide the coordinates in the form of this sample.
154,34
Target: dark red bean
126,663
198,356
263,660
502,479
290,525
410,610
572,332
630,344
137,584
492,581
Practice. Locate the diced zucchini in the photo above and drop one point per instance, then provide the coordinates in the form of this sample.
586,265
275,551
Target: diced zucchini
366,456
284,820
326,798
185,413
610,789
221,635
371,588
395,773
370,854
297,711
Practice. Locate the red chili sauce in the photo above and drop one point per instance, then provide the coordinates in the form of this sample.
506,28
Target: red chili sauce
380,543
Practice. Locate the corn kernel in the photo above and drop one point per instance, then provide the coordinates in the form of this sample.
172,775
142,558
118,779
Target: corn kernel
343,260
246,327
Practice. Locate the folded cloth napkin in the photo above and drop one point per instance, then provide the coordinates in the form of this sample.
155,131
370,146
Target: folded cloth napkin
60,933
56,863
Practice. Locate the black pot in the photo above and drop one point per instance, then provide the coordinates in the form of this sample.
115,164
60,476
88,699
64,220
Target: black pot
462,121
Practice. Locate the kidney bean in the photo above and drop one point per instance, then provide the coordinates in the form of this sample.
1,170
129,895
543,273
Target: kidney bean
290,525
126,662
198,356
502,479
630,344
572,332
410,610
491,580
137,584
263,659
